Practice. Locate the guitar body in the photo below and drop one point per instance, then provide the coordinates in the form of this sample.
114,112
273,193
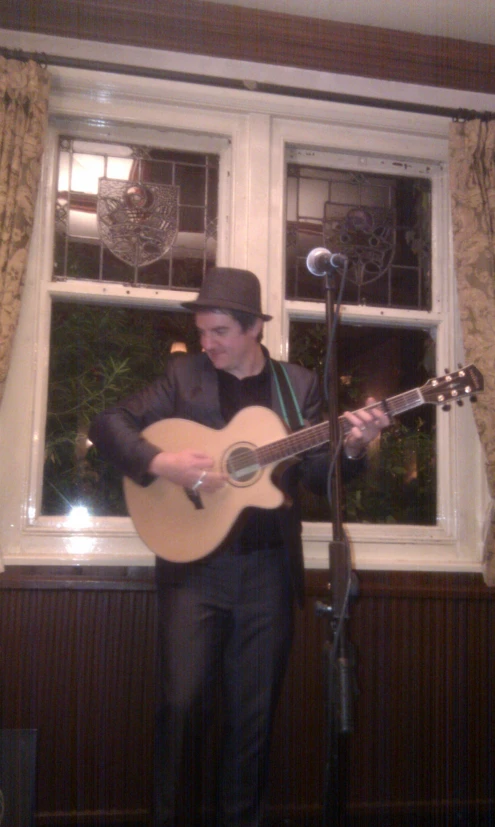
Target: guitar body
180,527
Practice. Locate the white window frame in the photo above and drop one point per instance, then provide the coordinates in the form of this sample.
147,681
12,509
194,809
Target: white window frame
259,130
381,146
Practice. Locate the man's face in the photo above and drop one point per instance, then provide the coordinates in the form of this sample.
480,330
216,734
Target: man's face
227,345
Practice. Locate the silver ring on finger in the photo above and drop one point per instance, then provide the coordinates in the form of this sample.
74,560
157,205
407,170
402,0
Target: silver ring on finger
199,481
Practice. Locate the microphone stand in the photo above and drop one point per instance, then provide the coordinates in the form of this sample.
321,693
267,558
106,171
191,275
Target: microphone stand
337,657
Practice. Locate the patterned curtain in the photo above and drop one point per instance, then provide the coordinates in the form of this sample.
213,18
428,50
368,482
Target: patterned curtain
24,89
472,184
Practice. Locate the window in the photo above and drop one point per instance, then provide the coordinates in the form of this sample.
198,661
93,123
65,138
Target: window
98,355
238,180
381,224
127,214
400,481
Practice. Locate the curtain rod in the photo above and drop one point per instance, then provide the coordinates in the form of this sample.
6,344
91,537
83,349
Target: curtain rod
251,86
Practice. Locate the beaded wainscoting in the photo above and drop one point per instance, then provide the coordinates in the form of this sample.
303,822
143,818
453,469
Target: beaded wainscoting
77,658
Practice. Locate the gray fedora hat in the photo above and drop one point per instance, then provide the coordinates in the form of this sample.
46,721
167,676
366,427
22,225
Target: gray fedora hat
227,288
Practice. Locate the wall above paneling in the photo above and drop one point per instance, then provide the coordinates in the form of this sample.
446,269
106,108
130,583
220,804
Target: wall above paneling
227,31
445,18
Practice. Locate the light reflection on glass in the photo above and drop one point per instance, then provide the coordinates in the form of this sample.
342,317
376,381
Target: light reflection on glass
78,517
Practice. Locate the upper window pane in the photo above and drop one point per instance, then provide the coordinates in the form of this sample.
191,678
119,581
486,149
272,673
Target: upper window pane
381,223
135,214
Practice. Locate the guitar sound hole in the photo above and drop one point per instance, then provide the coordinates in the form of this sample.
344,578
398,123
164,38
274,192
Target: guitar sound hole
242,465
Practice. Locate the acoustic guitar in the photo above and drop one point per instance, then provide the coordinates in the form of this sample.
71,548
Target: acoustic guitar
181,526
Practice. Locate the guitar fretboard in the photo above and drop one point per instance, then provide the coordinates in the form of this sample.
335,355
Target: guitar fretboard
316,435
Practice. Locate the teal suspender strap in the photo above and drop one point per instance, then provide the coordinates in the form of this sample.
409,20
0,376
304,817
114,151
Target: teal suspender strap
287,398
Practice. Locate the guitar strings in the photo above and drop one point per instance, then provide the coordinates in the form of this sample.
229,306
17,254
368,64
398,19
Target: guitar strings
307,438
300,441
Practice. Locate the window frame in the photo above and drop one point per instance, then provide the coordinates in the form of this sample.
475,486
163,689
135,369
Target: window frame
258,132
456,541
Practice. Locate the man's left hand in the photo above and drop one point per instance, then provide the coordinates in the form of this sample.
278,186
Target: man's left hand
366,424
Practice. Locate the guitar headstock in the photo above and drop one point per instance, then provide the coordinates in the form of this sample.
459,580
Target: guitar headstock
453,387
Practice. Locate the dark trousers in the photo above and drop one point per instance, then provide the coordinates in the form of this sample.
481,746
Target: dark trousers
231,616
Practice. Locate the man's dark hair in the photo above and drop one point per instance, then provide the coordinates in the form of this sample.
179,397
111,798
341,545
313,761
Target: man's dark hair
246,320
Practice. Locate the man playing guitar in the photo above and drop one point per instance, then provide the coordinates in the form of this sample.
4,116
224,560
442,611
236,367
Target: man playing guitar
228,611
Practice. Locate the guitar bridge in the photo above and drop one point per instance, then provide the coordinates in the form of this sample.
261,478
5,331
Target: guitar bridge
195,498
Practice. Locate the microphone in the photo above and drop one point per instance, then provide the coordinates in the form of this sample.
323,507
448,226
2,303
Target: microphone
320,261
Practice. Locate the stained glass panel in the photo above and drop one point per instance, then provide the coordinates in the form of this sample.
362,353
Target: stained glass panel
380,223
136,215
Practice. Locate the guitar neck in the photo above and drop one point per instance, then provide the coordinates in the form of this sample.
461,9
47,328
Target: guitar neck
316,435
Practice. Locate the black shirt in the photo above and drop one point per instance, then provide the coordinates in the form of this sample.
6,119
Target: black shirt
259,527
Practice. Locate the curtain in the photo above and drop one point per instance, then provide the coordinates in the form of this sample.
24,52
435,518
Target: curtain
472,184
24,89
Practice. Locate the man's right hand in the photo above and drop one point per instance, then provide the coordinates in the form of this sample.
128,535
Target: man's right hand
186,468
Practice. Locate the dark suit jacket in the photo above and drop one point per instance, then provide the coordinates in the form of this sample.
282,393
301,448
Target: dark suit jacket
189,390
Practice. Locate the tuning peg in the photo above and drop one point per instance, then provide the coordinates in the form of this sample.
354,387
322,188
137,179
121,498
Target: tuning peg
460,403
473,398
445,407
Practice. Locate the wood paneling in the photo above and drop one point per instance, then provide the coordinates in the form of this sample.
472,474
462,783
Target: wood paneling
76,663
234,32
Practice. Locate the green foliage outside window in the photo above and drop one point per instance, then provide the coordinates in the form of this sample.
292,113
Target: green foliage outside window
399,483
98,356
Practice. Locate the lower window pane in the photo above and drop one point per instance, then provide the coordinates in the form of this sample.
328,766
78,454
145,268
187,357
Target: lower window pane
98,355
399,484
